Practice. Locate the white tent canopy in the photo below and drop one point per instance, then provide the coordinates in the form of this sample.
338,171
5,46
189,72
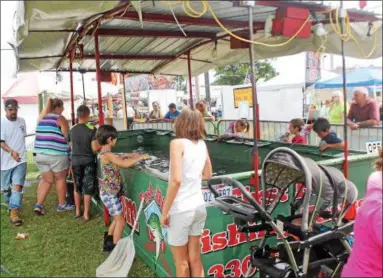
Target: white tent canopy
48,83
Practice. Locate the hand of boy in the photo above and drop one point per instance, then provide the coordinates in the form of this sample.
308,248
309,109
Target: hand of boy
323,147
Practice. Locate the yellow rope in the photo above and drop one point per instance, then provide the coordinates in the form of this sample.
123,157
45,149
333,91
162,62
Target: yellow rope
346,36
255,42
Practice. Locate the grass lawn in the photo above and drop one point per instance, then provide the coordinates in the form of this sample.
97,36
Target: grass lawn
58,245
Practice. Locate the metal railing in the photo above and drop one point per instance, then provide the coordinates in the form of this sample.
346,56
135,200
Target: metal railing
209,126
270,130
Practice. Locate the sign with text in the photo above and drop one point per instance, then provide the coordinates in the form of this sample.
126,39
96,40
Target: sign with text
313,73
373,146
243,95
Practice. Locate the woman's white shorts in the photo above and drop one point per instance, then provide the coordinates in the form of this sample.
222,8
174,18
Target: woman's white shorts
185,224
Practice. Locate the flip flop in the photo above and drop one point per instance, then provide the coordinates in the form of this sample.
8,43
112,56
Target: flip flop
77,216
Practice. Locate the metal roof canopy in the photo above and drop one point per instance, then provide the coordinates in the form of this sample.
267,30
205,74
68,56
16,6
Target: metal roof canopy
48,32
48,24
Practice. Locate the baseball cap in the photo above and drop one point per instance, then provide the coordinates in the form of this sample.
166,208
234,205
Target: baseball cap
11,104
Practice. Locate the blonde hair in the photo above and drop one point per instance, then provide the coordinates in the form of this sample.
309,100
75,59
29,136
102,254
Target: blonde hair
190,125
202,104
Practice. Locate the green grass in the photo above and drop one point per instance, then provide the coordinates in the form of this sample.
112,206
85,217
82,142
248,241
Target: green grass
58,245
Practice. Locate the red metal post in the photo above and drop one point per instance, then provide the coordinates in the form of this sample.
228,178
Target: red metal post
71,90
100,111
190,81
98,74
345,126
258,124
255,103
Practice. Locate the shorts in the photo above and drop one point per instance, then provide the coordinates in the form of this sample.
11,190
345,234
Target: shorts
112,203
13,176
51,163
185,224
85,178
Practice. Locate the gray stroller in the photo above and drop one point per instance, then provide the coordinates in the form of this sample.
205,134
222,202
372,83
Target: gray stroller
295,244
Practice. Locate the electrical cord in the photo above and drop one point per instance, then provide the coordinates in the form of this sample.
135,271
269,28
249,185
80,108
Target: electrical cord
346,36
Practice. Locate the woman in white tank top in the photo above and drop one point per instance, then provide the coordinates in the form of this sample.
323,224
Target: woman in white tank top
184,211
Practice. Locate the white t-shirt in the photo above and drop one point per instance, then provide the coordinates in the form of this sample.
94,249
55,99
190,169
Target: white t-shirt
130,112
189,196
13,133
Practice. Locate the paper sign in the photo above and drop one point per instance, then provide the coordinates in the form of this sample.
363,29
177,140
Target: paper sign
243,109
243,95
221,189
373,146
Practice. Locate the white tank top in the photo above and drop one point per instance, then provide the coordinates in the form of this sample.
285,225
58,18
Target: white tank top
189,196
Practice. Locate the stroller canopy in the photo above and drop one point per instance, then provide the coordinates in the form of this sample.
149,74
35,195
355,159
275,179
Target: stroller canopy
281,169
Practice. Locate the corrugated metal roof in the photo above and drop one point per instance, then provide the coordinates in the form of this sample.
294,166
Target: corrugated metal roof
42,50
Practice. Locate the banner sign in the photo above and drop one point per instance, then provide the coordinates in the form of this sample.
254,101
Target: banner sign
313,71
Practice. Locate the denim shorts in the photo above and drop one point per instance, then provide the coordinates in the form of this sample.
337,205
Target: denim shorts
51,163
13,176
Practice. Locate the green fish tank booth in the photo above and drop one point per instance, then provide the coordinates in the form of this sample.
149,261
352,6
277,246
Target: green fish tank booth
225,250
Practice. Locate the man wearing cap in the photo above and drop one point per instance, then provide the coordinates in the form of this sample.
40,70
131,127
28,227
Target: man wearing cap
364,112
13,159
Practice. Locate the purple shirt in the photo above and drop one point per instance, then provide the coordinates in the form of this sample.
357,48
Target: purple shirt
366,256
370,111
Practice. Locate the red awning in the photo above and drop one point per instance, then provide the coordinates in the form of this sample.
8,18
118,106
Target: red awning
25,90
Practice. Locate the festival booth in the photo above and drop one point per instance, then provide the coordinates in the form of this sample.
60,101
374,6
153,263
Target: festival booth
189,38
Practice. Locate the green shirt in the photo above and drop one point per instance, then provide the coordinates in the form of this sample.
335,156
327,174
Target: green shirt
336,114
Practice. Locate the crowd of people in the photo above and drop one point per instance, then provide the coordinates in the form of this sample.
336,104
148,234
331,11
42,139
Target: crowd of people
156,116
60,151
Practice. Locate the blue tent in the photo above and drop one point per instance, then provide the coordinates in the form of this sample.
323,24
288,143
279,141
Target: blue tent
362,77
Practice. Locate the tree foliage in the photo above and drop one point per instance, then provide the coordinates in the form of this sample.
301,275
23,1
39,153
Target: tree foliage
236,74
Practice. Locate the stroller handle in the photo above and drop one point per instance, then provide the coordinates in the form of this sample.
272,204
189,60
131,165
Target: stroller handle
234,183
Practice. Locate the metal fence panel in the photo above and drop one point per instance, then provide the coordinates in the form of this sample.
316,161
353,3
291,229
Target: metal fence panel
209,126
270,130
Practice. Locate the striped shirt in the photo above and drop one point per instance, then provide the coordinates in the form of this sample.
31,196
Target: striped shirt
49,138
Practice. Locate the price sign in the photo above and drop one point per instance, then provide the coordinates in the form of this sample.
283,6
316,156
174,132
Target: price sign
373,146
221,189
243,95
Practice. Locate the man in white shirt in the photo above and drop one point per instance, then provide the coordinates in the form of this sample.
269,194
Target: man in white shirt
130,114
13,159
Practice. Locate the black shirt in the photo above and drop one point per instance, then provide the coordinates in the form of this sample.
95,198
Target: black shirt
81,137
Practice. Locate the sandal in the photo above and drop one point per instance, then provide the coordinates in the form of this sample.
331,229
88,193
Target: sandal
77,216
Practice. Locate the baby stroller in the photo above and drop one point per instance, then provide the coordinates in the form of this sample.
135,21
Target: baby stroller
288,249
